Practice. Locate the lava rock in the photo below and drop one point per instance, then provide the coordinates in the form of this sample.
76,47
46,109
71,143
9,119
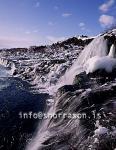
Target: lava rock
81,80
101,73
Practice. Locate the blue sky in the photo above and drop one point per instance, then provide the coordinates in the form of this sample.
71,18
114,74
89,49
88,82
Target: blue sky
35,22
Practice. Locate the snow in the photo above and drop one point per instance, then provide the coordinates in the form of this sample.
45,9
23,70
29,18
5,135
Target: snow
108,63
101,130
113,31
114,131
96,140
97,62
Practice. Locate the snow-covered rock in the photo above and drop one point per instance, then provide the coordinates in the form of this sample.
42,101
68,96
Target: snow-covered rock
101,130
107,63
95,63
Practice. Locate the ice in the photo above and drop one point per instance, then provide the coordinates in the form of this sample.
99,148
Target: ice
112,52
108,63
101,130
96,63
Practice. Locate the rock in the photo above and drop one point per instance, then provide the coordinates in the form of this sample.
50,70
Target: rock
70,130
81,80
101,73
67,88
15,72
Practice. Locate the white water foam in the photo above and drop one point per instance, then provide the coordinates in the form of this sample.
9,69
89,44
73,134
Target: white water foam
7,68
3,72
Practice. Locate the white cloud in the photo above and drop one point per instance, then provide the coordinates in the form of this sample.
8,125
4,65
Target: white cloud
27,32
31,31
37,4
66,15
35,31
11,42
56,7
106,6
106,20
55,39
81,24
50,23
83,28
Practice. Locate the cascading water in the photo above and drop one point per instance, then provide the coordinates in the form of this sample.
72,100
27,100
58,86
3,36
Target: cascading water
3,68
7,66
41,134
13,68
98,47
3,72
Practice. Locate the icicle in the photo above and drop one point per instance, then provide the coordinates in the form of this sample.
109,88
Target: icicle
112,51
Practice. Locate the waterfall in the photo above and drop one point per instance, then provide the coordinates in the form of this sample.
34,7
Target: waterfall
41,134
13,68
98,47
9,65
112,51
3,68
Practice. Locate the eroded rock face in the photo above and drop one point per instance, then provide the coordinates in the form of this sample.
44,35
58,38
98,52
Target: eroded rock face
101,73
81,80
95,130
111,39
